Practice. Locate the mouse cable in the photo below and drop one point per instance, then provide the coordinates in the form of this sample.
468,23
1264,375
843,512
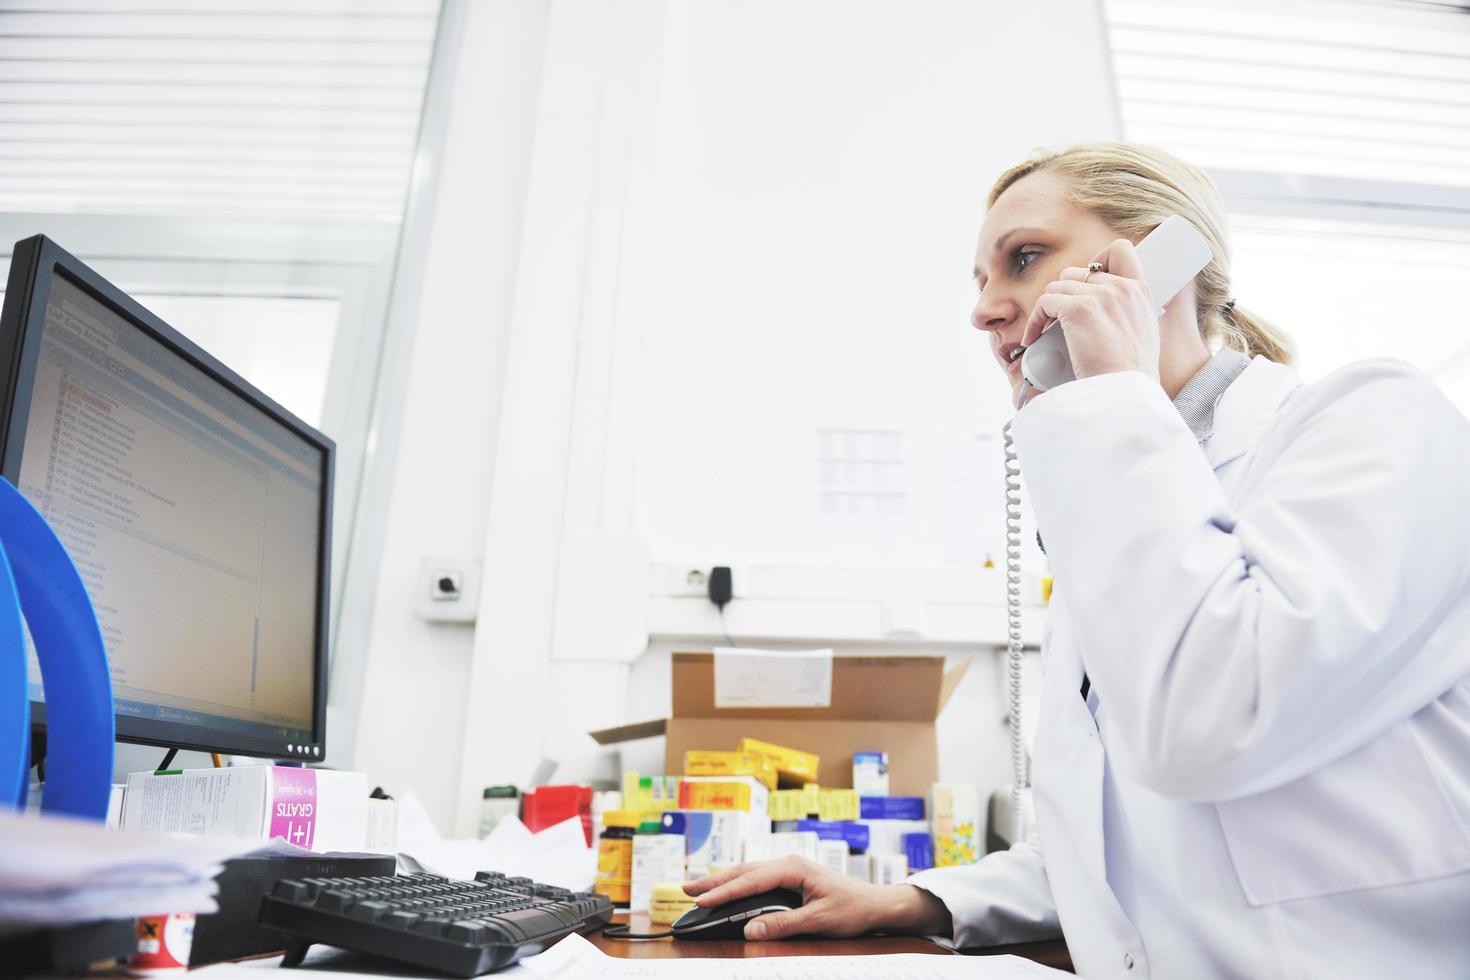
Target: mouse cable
619,930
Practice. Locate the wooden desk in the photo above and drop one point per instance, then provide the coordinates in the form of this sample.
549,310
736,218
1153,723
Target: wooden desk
1049,954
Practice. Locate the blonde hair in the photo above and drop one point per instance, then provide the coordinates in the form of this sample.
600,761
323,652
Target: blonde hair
1133,189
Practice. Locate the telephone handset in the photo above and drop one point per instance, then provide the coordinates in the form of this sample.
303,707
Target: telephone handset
1171,255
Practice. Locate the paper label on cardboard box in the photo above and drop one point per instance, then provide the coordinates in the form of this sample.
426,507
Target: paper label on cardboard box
746,678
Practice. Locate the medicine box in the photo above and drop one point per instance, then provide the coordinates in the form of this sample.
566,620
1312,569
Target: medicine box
832,854
793,766
318,809
767,847
888,702
838,804
890,869
729,793
891,807
657,858
851,833
919,849
887,836
956,824
870,773
712,838
708,763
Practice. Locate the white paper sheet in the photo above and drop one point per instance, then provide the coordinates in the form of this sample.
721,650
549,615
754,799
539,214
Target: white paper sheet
558,855
57,869
574,958
749,678
337,963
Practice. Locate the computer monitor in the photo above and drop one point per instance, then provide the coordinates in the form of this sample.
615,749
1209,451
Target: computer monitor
197,510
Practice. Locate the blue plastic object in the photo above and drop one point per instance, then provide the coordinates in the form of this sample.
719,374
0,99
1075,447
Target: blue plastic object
15,706
74,671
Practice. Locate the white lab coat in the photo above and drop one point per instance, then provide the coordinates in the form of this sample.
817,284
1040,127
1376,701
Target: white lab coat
1271,775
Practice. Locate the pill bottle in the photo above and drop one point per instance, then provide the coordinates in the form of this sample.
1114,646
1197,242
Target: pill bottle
615,856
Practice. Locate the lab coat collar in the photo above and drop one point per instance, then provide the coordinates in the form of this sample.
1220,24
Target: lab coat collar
1247,408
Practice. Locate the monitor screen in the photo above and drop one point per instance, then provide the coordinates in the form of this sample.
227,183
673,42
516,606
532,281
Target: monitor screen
194,510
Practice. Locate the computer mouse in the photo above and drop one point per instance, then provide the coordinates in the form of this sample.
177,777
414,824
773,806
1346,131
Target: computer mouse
728,921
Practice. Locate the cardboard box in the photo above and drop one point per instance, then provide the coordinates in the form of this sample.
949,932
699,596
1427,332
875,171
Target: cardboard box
884,704
318,809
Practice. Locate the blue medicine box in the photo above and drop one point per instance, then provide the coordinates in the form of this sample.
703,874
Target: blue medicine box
891,807
920,851
854,834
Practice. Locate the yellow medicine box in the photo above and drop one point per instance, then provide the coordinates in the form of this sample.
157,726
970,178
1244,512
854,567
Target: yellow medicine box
788,804
752,764
790,763
838,804
726,793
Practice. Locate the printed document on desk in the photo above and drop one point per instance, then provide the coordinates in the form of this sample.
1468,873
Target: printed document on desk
574,957
59,869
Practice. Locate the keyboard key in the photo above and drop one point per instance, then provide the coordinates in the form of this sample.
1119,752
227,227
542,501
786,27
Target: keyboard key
432,925
291,891
334,901
370,911
467,932
532,922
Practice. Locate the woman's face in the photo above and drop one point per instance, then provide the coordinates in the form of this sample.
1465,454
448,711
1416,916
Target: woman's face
1030,235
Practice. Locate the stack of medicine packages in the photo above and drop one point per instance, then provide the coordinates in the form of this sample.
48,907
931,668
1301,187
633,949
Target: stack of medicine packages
900,841
722,801
898,833
861,831
796,771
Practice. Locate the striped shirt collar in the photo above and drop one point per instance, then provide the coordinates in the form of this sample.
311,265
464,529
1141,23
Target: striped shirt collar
1196,401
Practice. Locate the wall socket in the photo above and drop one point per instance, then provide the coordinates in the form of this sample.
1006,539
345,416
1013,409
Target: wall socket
689,580
447,588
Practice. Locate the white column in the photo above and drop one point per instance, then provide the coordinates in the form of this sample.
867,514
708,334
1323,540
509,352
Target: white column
555,631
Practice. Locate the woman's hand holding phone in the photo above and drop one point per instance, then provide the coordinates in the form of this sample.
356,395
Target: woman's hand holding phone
1109,318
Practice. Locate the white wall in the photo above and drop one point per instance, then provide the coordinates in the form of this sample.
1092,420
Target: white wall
735,221
401,685
824,167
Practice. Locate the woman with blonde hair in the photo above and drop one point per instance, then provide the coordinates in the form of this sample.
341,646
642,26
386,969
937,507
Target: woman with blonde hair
1253,748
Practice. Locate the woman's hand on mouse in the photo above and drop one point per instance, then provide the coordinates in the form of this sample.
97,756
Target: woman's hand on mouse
1110,320
833,904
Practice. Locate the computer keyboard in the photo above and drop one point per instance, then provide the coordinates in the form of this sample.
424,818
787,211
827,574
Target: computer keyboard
462,928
